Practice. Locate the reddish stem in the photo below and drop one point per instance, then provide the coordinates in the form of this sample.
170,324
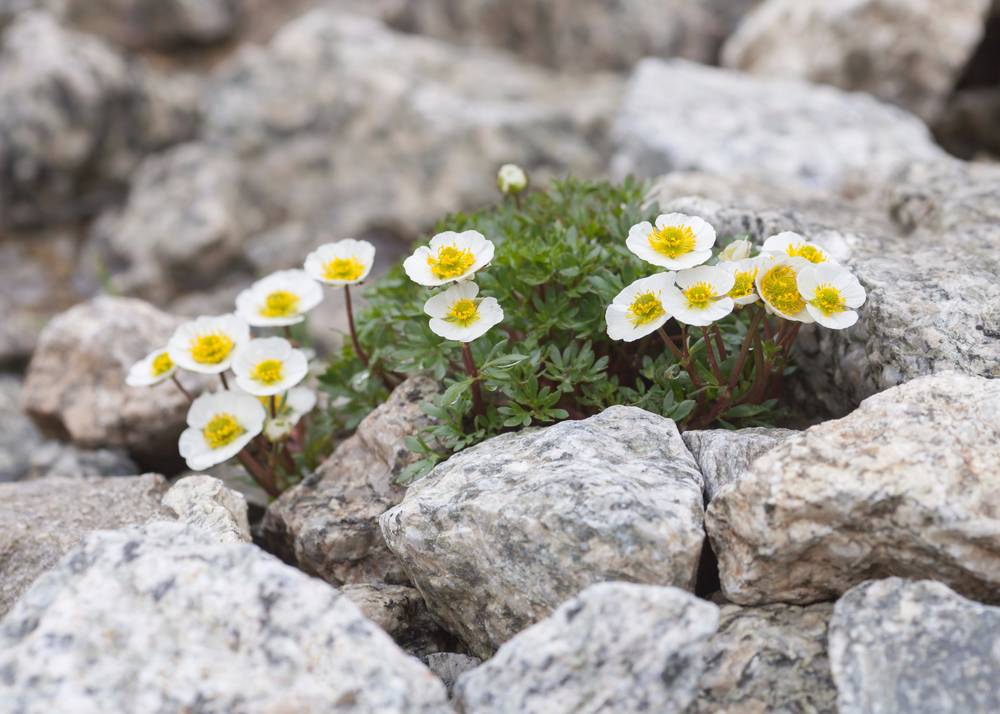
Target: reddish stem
350,323
470,367
180,386
710,353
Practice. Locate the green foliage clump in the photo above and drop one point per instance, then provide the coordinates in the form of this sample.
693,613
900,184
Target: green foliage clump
560,260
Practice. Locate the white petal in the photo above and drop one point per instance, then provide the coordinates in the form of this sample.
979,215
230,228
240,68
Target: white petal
418,269
655,284
440,305
837,321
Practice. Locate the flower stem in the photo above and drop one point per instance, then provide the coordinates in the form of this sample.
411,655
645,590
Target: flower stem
670,344
710,353
354,333
180,386
274,407
719,343
225,384
264,478
734,376
470,367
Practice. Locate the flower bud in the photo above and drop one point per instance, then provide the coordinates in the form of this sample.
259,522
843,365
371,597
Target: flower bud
737,250
511,179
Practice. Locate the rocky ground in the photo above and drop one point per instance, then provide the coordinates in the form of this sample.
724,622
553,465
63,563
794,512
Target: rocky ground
155,156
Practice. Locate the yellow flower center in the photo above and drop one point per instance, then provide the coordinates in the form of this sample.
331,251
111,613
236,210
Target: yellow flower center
211,348
744,284
280,303
464,312
779,288
829,300
267,372
672,241
451,262
222,430
162,364
699,296
809,252
645,308
343,269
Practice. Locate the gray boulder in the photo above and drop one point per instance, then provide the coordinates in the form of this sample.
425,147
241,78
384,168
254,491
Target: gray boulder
18,436
724,455
57,458
680,116
617,647
160,24
769,659
500,534
206,503
449,666
910,53
914,646
41,520
401,612
905,485
328,524
175,621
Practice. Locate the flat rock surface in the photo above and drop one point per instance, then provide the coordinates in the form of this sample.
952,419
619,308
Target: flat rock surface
617,647
175,621
43,519
914,646
724,455
500,534
904,485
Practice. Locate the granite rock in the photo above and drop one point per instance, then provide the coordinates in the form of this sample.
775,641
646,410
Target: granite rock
55,458
43,519
768,660
18,436
159,24
724,455
910,53
902,486
914,646
449,666
616,647
328,524
206,503
75,384
500,534
680,116
176,621
400,611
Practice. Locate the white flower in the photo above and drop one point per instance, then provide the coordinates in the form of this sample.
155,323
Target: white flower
457,314
280,299
677,242
151,369
744,274
295,405
777,285
701,296
511,179
450,257
269,366
207,344
220,424
346,262
795,246
831,294
737,250
638,310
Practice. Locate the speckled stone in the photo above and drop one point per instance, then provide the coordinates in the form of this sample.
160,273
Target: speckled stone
206,503
915,647
400,611
164,618
905,485
449,666
500,534
328,524
768,660
41,520
724,455
616,648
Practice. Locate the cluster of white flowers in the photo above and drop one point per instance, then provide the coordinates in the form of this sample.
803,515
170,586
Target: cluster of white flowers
795,279
267,397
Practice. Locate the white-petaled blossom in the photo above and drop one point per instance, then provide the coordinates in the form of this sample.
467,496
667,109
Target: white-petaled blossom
280,299
293,406
701,295
457,314
450,257
269,366
795,246
511,179
832,294
151,369
220,424
207,344
744,272
638,310
677,242
777,285
346,262
737,250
